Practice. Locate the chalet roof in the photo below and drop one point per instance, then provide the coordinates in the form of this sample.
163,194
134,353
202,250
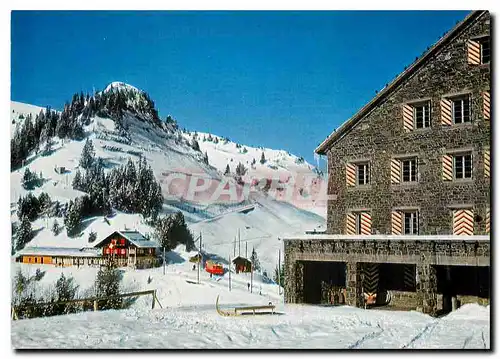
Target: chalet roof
135,237
240,259
58,251
386,91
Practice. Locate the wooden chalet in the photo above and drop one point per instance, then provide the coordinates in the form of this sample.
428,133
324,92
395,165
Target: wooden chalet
129,248
242,264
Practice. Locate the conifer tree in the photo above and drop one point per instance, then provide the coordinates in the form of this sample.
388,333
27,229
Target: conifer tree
262,158
88,155
24,234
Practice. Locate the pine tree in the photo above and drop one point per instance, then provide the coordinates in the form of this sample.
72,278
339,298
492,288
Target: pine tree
255,260
281,273
262,159
56,228
241,170
77,181
205,158
163,233
108,284
180,232
29,179
65,290
88,155
92,236
24,233
227,171
195,145
253,162
73,217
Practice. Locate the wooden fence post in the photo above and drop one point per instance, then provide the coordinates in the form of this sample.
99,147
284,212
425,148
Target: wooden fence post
154,299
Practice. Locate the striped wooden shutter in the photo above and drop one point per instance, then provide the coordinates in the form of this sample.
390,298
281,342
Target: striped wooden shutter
463,222
408,118
366,223
350,172
487,163
447,168
487,221
486,105
473,52
351,223
397,222
395,171
446,112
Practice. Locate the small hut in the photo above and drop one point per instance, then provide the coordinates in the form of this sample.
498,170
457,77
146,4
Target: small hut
195,259
242,264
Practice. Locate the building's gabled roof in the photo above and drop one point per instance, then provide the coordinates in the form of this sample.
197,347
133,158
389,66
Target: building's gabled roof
240,258
349,124
136,238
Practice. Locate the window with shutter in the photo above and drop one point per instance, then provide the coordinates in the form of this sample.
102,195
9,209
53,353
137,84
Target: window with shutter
362,174
359,223
410,223
409,170
484,44
461,109
463,222
462,166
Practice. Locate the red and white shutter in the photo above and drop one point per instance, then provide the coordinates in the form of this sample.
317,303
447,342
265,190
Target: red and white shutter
350,171
395,171
463,222
486,105
408,118
487,221
487,163
366,223
447,167
351,223
397,222
445,112
473,52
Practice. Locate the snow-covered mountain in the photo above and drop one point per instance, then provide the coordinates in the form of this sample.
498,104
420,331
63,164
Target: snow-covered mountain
260,217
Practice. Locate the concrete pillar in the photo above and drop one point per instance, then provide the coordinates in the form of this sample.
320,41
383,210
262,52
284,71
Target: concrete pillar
353,284
427,288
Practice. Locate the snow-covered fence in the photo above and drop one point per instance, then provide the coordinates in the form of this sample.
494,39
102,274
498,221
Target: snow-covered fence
95,300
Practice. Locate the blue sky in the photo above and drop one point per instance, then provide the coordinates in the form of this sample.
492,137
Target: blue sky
283,80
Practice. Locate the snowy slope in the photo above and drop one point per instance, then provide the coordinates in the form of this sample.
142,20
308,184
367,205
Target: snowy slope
188,318
286,169
167,152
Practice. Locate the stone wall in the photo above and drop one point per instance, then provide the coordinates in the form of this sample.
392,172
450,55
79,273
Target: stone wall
380,136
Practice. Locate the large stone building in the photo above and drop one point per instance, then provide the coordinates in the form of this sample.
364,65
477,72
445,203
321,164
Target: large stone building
409,177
